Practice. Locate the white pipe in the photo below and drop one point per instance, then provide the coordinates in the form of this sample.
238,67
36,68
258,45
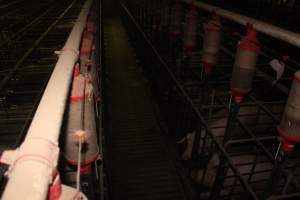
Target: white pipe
33,163
263,27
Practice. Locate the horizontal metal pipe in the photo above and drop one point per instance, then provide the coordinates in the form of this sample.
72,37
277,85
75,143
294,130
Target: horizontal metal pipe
263,27
237,141
31,172
285,196
10,4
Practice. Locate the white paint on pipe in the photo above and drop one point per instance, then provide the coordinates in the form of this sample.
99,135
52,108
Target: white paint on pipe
263,27
31,171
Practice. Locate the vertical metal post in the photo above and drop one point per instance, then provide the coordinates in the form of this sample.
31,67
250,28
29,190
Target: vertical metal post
234,108
277,173
224,167
196,144
219,180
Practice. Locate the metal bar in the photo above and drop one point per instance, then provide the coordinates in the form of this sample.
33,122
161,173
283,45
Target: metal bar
10,74
31,172
277,173
252,139
234,108
249,133
10,4
286,196
253,165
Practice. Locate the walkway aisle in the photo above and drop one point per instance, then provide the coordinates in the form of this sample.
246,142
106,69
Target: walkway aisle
139,163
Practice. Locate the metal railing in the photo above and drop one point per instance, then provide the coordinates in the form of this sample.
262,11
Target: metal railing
32,164
198,107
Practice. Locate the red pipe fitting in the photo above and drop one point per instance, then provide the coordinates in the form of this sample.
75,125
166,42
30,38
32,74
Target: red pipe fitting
86,169
249,42
77,86
55,188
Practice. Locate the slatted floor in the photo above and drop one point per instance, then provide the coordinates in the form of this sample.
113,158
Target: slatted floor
140,164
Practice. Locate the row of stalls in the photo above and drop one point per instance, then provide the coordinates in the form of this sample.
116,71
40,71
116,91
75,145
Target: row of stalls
229,99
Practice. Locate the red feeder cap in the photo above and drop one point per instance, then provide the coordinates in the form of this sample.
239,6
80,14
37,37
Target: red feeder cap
193,7
249,42
207,67
215,17
86,169
238,99
237,94
288,143
251,33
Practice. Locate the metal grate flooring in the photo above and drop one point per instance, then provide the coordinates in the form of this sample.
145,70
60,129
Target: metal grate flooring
140,166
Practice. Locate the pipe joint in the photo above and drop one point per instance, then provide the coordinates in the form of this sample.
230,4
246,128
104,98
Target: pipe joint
72,50
27,153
